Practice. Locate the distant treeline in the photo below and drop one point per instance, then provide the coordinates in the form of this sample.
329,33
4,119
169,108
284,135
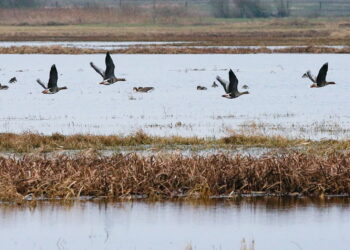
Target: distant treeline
216,8
18,3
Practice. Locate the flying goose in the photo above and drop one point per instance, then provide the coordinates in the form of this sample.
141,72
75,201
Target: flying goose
231,87
201,88
320,81
52,84
143,89
107,75
13,80
214,85
3,87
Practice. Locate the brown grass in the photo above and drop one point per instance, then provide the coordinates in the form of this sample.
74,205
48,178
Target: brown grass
154,177
210,31
29,142
169,50
34,143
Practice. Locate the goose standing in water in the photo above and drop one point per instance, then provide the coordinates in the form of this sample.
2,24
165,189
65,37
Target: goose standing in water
231,87
107,75
143,89
52,84
201,88
320,81
3,87
13,80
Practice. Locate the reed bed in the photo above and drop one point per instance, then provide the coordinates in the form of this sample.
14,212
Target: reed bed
172,176
56,49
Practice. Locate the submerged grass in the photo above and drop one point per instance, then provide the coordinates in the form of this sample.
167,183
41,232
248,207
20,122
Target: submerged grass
163,177
31,142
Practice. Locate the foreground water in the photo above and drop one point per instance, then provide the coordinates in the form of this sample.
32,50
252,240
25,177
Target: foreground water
270,222
280,101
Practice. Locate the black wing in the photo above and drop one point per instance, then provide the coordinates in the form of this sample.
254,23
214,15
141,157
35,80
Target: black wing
99,71
53,77
223,83
233,82
41,83
109,67
321,77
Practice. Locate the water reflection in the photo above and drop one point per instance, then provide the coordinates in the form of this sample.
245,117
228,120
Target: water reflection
273,223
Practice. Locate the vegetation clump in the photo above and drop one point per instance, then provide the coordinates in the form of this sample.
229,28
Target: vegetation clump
172,176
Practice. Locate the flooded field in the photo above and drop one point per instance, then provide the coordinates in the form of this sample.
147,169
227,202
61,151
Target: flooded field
90,45
272,223
280,101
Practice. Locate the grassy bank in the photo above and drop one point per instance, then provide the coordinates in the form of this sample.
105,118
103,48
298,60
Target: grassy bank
157,177
29,142
261,32
170,50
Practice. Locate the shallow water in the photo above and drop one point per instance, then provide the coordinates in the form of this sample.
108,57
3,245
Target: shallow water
280,101
271,222
88,45
149,150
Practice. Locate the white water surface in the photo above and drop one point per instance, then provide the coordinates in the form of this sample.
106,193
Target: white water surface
270,224
280,101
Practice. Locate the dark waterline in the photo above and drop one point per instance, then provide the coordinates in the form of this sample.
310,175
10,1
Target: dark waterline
273,223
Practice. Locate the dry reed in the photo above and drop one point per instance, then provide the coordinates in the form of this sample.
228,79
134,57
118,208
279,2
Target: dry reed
30,142
157,177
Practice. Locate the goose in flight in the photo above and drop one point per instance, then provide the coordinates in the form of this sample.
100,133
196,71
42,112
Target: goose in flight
214,85
52,84
320,81
231,87
143,89
3,87
107,75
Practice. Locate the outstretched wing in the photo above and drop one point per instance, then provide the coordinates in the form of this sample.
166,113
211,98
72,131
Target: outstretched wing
41,83
310,76
233,82
109,67
223,83
321,77
99,71
53,77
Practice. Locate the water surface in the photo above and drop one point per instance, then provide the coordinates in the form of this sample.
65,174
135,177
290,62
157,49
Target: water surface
271,222
280,101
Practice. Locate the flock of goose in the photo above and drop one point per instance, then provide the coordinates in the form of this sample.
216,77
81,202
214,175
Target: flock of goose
230,87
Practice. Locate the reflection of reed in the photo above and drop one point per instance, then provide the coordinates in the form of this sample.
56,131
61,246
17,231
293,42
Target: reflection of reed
172,176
